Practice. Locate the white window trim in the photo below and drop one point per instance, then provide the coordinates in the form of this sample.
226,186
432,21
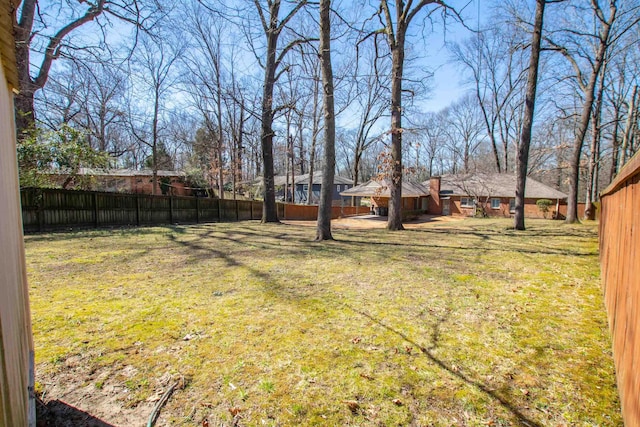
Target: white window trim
512,209
495,199
470,202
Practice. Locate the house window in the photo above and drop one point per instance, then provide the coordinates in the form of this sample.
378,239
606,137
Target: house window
495,203
305,188
339,187
512,205
467,202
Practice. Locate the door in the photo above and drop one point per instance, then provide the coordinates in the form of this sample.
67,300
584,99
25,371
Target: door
445,207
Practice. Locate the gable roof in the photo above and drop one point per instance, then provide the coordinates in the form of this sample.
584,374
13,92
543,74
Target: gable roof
317,179
373,188
493,185
122,172
280,180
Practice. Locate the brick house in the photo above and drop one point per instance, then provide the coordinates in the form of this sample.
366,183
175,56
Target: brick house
494,194
414,196
130,181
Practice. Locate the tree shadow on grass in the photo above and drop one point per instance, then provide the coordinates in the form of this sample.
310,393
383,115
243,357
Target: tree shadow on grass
531,250
523,419
57,413
271,284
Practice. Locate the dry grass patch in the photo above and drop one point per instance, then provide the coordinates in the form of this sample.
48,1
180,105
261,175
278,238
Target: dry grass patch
466,323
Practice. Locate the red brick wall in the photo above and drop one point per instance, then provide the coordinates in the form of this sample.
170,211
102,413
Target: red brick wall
310,212
435,206
531,209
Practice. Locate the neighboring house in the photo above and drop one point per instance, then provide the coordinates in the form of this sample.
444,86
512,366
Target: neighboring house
414,196
494,194
131,181
283,184
340,184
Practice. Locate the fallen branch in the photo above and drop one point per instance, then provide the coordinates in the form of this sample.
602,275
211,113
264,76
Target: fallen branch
163,400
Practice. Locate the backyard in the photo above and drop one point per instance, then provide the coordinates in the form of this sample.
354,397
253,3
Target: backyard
464,323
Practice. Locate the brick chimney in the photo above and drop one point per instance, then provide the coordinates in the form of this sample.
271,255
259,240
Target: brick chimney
435,207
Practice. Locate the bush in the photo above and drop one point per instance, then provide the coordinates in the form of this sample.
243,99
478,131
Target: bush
544,206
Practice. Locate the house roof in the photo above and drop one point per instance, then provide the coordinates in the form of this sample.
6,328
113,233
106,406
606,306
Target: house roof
380,188
317,179
280,180
493,185
125,172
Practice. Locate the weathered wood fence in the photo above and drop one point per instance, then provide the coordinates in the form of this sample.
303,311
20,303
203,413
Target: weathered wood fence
47,209
17,403
620,267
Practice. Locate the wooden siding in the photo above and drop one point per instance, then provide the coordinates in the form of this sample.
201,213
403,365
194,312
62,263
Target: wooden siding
7,44
620,269
16,345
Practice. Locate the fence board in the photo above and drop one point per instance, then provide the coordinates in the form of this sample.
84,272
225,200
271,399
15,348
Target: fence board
17,406
46,209
620,267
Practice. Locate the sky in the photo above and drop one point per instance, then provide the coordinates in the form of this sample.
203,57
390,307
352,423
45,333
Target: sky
447,83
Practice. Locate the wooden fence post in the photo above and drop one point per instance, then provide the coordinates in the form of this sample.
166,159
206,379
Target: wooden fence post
170,210
39,196
237,211
137,210
219,210
197,210
95,210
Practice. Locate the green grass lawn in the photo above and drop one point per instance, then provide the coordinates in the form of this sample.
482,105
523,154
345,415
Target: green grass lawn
457,323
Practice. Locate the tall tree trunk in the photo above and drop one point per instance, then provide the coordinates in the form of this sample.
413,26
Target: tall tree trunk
394,221
615,143
527,125
583,125
594,151
220,130
293,169
628,130
301,139
323,230
314,138
269,207
154,141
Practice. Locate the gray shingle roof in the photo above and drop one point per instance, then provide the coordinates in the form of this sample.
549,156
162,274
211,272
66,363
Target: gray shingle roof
280,180
493,185
126,172
380,188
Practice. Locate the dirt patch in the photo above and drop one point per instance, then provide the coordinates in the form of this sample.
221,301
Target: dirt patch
365,222
77,397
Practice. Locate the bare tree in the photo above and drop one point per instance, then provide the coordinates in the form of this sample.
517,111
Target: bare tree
530,101
204,80
371,101
587,66
395,29
323,229
153,63
53,40
493,58
465,129
272,27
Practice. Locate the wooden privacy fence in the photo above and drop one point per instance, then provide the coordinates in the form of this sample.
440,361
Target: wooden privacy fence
620,267
45,209
53,208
